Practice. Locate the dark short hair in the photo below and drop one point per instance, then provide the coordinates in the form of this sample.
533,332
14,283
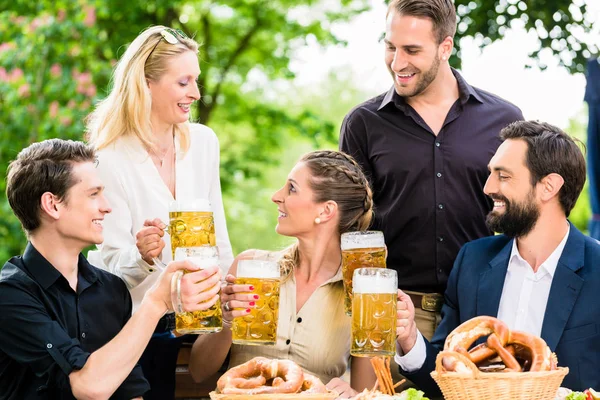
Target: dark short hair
551,150
441,13
43,167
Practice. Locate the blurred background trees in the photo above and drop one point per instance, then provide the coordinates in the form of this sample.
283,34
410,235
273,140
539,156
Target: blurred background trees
56,59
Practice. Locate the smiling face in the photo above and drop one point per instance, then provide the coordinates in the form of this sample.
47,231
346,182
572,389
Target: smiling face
412,53
516,207
297,209
82,212
176,90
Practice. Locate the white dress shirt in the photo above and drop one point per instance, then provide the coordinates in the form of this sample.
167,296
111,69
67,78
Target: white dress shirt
136,192
522,303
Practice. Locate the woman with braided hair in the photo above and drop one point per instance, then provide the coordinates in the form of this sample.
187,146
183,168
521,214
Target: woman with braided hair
326,194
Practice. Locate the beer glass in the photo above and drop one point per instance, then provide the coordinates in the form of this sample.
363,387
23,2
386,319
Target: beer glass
360,250
260,326
198,322
374,312
191,224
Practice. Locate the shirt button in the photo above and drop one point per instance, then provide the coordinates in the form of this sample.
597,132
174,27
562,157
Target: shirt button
440,239
49,345
437,144
299,320
439,174
288,341
441,206
440,270
83,335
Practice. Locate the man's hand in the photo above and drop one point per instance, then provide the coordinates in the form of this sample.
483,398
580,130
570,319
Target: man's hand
406,328
149,240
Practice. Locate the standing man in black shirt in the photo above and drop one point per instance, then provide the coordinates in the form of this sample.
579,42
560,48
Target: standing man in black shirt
425,145
65,326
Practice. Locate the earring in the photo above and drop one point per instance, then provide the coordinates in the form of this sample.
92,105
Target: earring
317,220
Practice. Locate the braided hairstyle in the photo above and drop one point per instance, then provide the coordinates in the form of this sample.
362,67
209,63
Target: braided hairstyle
336,176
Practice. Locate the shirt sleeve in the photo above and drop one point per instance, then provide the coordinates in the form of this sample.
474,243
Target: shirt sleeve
216,201
353,141
118,253
30,336
415,358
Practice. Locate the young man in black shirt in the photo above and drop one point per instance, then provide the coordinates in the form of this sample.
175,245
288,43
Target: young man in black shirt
425,145
66,329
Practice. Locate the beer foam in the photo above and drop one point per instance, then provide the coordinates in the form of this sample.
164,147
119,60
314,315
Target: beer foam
374,284
258,269
203,262
362,240
190,205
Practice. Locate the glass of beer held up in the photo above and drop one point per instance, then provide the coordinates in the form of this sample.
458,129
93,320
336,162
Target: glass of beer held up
360,250
191,224
374,312
260,326
198,322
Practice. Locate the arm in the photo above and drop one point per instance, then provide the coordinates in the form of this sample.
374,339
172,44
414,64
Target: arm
119,252
353,141
216,201
209,351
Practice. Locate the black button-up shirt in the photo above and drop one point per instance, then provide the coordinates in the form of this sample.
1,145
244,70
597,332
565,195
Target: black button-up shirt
47,330
428,189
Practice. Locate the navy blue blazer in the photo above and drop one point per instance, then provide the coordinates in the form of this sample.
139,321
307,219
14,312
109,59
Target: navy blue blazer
571,326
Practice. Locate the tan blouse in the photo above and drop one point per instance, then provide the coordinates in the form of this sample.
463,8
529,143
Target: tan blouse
317,338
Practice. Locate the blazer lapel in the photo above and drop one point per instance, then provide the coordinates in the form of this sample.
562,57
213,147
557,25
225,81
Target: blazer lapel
566,285
491,283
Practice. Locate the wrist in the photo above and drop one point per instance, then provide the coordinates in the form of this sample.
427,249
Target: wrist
156,307
408,343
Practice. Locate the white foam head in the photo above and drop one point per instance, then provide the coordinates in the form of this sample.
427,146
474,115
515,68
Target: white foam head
362,240
190,205
375,280
202,256
258,269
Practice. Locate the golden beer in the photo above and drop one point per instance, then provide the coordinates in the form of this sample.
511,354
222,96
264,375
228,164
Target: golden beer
198,322
374,312
360,250
260,326
191,224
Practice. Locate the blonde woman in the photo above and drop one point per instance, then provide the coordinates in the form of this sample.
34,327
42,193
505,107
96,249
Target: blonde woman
150,154
326,194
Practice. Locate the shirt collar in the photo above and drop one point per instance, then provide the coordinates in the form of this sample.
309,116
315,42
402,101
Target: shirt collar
46,274
465,92
551,262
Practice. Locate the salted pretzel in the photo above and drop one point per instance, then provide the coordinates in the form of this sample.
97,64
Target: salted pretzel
510,346
264,376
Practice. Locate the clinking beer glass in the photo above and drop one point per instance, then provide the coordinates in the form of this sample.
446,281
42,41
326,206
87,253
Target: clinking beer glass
374,312
364,249
191,224
198,322
260,326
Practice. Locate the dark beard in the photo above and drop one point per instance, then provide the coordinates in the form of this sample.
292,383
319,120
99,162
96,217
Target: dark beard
517,220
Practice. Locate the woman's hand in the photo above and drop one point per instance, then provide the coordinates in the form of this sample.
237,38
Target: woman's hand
149,239
237,300
342,388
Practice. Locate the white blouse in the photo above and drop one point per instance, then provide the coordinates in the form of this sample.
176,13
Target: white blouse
136,192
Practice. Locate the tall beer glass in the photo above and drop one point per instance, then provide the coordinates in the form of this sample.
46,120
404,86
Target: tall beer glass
374,312
191,224
198,322
260,326
360,250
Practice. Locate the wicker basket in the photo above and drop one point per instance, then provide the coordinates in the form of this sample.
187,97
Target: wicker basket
286,396
496,385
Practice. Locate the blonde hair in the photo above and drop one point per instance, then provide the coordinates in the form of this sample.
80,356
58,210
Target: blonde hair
335,176
126,110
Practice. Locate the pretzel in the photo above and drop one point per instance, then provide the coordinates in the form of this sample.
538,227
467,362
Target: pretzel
312,384
252,377
510,347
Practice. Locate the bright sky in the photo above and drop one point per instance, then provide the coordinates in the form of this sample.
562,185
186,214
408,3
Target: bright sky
552,95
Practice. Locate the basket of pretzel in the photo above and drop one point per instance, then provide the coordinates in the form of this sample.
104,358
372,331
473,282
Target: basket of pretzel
508,365
266,379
